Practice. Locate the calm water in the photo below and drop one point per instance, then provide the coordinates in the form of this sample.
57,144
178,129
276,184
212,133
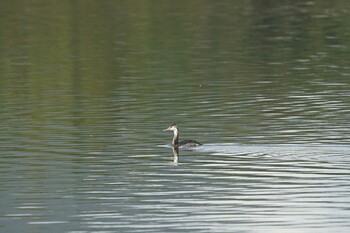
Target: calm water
86,88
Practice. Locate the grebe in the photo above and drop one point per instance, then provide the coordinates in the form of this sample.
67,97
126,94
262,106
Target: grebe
176,143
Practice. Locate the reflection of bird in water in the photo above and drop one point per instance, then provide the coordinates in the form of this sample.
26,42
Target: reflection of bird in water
176,154
184,143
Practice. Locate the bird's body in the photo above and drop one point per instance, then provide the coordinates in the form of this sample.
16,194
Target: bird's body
185,143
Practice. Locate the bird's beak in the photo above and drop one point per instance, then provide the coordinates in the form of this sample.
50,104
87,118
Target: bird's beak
167,129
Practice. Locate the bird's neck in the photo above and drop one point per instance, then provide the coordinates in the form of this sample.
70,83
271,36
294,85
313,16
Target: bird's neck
176,137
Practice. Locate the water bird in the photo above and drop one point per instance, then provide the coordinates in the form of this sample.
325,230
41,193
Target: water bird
176,143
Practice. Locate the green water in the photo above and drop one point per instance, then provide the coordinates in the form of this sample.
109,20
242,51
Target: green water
86,88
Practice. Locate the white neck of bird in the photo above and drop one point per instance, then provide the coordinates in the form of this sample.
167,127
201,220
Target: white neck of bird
176,137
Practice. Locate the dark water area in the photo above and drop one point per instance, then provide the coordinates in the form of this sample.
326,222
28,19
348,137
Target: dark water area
86,88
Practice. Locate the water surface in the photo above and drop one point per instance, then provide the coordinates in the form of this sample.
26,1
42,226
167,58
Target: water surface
86,89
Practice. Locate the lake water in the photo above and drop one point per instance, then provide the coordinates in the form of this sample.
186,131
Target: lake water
86,88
